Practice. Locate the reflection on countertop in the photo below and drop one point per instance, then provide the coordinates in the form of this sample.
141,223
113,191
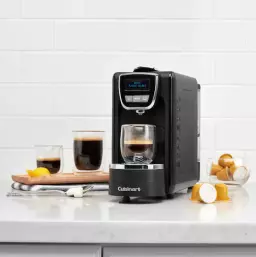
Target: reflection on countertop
168,221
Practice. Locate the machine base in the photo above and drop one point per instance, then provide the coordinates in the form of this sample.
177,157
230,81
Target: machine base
136,182
125,199
141,200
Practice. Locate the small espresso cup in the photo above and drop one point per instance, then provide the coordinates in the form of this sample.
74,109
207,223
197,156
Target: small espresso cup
88,150
50,157
137,143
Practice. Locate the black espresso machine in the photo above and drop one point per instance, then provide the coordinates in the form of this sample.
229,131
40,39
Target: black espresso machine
155,134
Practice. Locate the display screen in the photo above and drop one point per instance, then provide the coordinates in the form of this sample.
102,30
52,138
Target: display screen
138,84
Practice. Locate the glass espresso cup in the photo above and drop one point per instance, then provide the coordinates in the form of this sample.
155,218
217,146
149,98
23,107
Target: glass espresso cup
50,157
137,143
88,150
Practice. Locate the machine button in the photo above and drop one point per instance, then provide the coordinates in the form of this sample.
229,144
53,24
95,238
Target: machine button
144,98
137,98
128,98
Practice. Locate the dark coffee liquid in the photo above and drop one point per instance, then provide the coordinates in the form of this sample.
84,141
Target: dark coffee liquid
138,146
88,153
52,164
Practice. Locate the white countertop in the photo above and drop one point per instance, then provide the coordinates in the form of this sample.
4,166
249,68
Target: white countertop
99,218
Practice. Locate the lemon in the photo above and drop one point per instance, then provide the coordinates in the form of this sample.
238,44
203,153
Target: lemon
38,172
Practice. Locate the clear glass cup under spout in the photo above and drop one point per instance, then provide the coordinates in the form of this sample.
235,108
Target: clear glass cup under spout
137,143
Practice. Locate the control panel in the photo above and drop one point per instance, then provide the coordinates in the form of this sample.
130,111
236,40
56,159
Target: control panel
136,98
138,90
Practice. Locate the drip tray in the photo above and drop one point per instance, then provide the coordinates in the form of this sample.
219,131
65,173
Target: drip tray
126,166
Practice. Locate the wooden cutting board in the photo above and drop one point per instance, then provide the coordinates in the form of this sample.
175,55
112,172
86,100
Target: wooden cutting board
62,178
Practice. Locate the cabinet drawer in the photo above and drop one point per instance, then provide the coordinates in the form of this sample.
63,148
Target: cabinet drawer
52,250
177,251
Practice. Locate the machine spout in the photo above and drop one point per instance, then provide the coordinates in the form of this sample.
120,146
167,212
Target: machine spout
140,112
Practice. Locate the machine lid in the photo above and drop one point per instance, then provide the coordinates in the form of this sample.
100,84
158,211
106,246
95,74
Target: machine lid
137,166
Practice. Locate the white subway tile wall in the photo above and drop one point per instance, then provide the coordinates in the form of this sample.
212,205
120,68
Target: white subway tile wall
57,58
26,35
10,9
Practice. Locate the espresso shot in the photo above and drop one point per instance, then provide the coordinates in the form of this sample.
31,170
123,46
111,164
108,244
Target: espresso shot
138,151
88,153
138,146
49,157
52,164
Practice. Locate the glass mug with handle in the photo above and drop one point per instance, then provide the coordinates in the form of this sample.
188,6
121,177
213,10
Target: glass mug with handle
137,143
88,150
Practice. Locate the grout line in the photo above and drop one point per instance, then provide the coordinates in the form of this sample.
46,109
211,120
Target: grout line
47,86
21,4
85,85
32,148
109,148
235,150
216,121
136,19
125,52
94,83
228,118
49,116
54,36
213,9
105,84
214,70
226,85
99,84
108,117
225,149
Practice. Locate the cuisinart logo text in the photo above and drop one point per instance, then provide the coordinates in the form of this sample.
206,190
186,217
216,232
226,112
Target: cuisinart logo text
129,189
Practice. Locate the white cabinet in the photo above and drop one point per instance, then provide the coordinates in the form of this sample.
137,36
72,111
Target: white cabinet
54,250
180,251
78,250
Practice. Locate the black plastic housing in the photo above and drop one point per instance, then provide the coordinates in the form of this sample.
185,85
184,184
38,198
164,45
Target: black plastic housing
137,182
176,117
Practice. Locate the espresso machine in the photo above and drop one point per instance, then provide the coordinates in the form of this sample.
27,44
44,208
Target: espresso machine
155,134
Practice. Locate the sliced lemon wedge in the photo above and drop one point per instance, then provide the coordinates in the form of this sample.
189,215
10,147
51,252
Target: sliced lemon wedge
38,172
